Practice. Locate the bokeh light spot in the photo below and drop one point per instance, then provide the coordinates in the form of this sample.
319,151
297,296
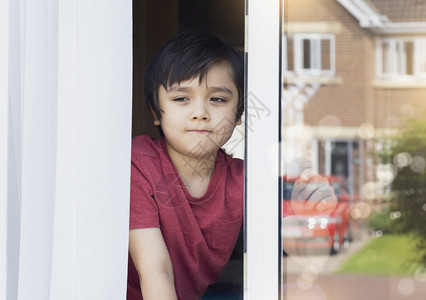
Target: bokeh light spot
366,131
356,213
305,281
420,274
418,164
361,211
377,233
386,173
395,215
402,159
406,286
369,190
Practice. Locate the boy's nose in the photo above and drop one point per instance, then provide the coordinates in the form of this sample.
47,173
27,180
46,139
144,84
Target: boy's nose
200,112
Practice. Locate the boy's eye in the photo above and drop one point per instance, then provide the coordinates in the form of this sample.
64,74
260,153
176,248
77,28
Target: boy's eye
217,99
180,99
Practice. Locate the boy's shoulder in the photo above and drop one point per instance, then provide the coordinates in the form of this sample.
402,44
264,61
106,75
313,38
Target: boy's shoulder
235,165
144,145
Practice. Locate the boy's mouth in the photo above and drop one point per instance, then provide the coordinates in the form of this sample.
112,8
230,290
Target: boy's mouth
199,130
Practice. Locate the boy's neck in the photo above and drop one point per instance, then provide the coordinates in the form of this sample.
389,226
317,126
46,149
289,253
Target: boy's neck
195,172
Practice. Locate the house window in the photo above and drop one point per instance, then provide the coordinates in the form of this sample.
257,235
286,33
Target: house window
311,54
401,58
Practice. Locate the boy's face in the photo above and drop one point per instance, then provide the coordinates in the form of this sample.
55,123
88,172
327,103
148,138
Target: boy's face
197,118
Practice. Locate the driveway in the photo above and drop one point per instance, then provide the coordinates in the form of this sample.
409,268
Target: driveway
325,264
312,277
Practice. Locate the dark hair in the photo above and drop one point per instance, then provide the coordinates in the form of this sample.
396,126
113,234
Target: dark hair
187,55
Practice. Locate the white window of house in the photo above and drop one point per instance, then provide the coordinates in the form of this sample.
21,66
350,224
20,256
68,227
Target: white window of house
311,54
398,58
420,57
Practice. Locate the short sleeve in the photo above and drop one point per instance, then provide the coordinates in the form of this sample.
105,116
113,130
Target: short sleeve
143,209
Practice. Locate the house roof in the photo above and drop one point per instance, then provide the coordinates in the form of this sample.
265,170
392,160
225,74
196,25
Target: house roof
389,16
401,10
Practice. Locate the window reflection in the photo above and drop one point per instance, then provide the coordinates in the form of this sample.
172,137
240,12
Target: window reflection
353,111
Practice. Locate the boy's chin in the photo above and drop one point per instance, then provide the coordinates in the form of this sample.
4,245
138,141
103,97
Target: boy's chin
204,149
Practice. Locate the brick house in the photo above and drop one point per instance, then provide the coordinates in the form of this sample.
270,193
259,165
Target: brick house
353,69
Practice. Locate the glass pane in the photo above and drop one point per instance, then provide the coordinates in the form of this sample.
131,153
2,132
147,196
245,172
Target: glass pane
400,58
340,159
307,52
409,55
385,58
290,54
362,139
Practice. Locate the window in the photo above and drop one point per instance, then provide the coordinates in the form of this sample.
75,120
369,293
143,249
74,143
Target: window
398,58
363,138
311,54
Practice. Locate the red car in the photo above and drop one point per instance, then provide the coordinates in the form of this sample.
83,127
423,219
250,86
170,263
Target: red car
307,229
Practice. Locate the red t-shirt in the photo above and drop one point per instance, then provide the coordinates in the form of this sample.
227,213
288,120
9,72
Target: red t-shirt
199,233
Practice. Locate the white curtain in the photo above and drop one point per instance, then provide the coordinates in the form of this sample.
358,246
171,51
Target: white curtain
4,29
65,148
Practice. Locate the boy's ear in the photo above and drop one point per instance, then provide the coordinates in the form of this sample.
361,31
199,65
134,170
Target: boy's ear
157,121
239,122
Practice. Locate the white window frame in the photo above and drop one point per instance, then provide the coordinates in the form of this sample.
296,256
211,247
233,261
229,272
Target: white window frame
315,54
396,62
262,258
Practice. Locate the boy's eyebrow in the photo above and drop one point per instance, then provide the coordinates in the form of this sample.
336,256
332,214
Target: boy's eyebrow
221,89
178,88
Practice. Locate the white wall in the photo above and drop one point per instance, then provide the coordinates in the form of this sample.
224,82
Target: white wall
68,148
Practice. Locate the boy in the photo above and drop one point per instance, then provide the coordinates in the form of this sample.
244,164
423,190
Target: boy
186,193
186,201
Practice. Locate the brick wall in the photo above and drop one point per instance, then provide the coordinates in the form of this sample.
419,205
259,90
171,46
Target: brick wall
347,99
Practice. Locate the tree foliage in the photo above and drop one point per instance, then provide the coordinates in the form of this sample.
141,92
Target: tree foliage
406,152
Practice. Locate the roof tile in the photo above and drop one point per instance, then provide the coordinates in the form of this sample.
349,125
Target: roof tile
401,10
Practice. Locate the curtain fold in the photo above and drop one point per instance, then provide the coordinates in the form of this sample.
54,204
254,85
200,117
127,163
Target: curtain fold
4,106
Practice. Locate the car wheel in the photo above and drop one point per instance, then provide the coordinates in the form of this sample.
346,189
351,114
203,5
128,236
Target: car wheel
335,247
348,238
350,231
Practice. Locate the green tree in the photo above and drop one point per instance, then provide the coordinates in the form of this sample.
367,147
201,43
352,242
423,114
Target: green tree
406,150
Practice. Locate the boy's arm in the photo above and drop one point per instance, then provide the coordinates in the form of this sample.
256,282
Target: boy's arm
152,261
